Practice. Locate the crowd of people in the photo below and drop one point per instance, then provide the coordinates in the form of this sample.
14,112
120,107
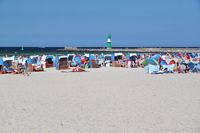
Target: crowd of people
152,63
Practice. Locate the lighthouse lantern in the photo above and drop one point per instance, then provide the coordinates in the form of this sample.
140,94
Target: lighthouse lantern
109,46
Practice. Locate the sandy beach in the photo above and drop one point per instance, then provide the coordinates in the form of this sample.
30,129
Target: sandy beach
105,100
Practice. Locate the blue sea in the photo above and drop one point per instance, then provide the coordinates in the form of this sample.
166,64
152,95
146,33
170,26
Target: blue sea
9,51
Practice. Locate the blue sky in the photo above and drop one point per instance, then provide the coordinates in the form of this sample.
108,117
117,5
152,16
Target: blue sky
88,22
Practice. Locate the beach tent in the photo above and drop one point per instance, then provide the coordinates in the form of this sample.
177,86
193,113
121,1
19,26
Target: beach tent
86,56
34,59
101,56
193,55
28,59
7,64
117,60
118,56
92,57
70,57
12,58
149,61
92,61
35,63
152,68
191,65
61,62
196,68
156,56
108,58
100,59
47,61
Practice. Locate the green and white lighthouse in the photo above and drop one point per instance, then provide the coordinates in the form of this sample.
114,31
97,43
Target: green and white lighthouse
109,46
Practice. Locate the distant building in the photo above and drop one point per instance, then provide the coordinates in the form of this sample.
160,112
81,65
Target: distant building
109,46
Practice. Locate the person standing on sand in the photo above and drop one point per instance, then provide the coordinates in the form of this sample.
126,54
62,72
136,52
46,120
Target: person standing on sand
26,69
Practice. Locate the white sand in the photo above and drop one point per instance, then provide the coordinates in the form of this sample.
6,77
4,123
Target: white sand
106,100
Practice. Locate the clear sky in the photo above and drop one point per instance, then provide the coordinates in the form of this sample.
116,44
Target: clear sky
88,22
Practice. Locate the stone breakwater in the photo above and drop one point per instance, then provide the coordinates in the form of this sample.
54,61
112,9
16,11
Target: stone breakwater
140,50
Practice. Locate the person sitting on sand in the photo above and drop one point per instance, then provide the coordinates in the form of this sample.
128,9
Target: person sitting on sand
78,69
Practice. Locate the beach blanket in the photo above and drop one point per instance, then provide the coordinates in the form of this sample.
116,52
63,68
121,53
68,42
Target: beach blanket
75,69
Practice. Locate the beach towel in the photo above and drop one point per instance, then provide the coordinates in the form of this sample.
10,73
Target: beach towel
70,71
